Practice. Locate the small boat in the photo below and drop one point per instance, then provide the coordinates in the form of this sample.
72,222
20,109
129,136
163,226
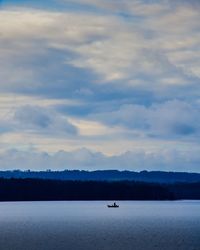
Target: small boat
113,205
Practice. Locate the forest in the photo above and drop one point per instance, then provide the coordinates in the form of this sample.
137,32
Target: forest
40,189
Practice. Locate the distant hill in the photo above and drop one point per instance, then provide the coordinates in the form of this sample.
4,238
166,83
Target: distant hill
105,175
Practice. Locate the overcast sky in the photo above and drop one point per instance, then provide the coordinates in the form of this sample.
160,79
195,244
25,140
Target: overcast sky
100,84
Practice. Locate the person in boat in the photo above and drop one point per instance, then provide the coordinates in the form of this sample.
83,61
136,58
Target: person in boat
113,205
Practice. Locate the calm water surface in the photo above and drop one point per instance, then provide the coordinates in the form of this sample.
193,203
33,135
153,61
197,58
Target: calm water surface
91,225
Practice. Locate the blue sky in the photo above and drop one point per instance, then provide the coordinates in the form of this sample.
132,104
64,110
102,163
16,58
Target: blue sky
96,84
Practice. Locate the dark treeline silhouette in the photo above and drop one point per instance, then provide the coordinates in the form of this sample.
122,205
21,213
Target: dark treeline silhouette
38,189
107,175
185,191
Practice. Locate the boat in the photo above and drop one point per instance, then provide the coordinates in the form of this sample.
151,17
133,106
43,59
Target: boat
113,205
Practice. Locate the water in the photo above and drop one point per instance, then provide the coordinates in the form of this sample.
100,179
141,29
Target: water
92,226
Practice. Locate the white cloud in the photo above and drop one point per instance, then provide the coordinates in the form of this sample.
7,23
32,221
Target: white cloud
94,128
85,159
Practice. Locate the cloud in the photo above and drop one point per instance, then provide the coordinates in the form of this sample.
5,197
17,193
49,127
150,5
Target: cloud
85,159
170,119
106,75
35,119
140,52
33,116
39,50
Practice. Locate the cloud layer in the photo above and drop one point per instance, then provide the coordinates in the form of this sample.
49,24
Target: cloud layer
111,76
165,160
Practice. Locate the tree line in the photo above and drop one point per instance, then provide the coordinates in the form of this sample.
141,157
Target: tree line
40,189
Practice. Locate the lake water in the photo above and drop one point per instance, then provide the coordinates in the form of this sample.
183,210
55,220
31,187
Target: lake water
135,225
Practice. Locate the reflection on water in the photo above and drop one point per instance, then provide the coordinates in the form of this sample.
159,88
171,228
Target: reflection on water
91,225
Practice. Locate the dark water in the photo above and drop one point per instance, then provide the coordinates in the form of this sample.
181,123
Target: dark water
92,226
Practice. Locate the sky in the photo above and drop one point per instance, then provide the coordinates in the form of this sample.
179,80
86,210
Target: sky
100,84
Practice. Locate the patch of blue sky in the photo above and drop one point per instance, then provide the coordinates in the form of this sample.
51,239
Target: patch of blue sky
69,6
129,17
52,5
26,3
